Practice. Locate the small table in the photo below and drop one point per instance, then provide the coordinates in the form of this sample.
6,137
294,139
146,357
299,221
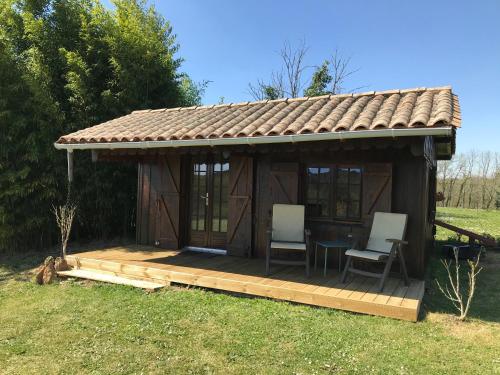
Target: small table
337,244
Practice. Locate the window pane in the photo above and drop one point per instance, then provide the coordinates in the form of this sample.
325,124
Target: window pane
201,200
198,189
342,192
354,209
324,175
318,191
355,192
224,197
324,192
342,174
194,200
216,198
323,208
355,176
348,193
312,192
341,208
313,175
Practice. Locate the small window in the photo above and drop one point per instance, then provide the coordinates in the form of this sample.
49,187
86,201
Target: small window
318,191
348,193
333,192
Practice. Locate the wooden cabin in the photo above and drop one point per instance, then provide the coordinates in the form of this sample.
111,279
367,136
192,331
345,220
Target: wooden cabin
209,175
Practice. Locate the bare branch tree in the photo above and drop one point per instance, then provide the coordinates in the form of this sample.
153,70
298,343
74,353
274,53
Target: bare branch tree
286,82
484,165
470,180
460,301
289,81
340,72
273,90
64,218
293,63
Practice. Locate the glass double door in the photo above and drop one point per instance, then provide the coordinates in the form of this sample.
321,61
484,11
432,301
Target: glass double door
208,203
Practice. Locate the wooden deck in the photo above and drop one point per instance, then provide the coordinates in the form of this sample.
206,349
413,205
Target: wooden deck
244,275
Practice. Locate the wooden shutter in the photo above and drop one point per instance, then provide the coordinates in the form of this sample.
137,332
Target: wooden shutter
239,231
377,189
167,190
284,183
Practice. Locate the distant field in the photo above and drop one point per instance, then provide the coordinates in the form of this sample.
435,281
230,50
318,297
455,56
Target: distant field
479,221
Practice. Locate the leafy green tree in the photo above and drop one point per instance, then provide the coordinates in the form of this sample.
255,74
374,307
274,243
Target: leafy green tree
66,65
191,92
320,80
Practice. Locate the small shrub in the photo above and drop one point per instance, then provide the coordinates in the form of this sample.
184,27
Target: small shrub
460,299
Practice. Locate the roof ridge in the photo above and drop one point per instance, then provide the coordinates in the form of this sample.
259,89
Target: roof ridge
302,98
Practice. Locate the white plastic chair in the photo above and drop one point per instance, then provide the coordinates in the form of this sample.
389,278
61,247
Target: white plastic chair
384,245
288,233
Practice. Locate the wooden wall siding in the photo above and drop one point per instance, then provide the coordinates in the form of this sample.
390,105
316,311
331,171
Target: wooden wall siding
240,203
284,183
158,212
395,179
392,183
377,189
409,197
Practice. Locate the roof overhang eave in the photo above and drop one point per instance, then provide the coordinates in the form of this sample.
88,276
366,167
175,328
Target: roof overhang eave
294,138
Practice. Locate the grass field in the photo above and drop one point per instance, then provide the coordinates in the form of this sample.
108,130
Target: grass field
478,221
92,328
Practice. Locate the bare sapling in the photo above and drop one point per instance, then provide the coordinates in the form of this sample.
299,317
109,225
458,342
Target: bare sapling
452,290
64,217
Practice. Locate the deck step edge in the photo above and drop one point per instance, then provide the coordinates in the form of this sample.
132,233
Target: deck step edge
108,278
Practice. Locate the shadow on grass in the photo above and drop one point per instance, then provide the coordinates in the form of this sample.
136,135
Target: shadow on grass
12,265
18,264
486,302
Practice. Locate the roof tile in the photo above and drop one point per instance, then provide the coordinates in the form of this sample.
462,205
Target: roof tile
420,107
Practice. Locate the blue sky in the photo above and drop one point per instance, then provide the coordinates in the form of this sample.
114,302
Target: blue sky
395,44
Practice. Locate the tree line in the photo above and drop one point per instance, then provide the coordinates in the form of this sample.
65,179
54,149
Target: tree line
470,180
67,65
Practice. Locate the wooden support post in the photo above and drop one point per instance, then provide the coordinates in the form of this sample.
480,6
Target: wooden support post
70,166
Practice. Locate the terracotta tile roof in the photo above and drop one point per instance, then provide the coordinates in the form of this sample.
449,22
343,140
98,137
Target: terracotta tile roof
396,109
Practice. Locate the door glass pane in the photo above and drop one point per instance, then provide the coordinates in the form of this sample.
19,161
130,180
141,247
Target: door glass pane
194,197
224,182
224,197
198,195
202,197
216,197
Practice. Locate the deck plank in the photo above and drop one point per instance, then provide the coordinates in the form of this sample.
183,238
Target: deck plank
244,275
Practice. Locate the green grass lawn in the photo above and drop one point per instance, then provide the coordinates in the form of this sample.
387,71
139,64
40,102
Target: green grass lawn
478,221
85,327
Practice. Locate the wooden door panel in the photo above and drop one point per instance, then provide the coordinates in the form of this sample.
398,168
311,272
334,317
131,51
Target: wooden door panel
167,187
239,235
